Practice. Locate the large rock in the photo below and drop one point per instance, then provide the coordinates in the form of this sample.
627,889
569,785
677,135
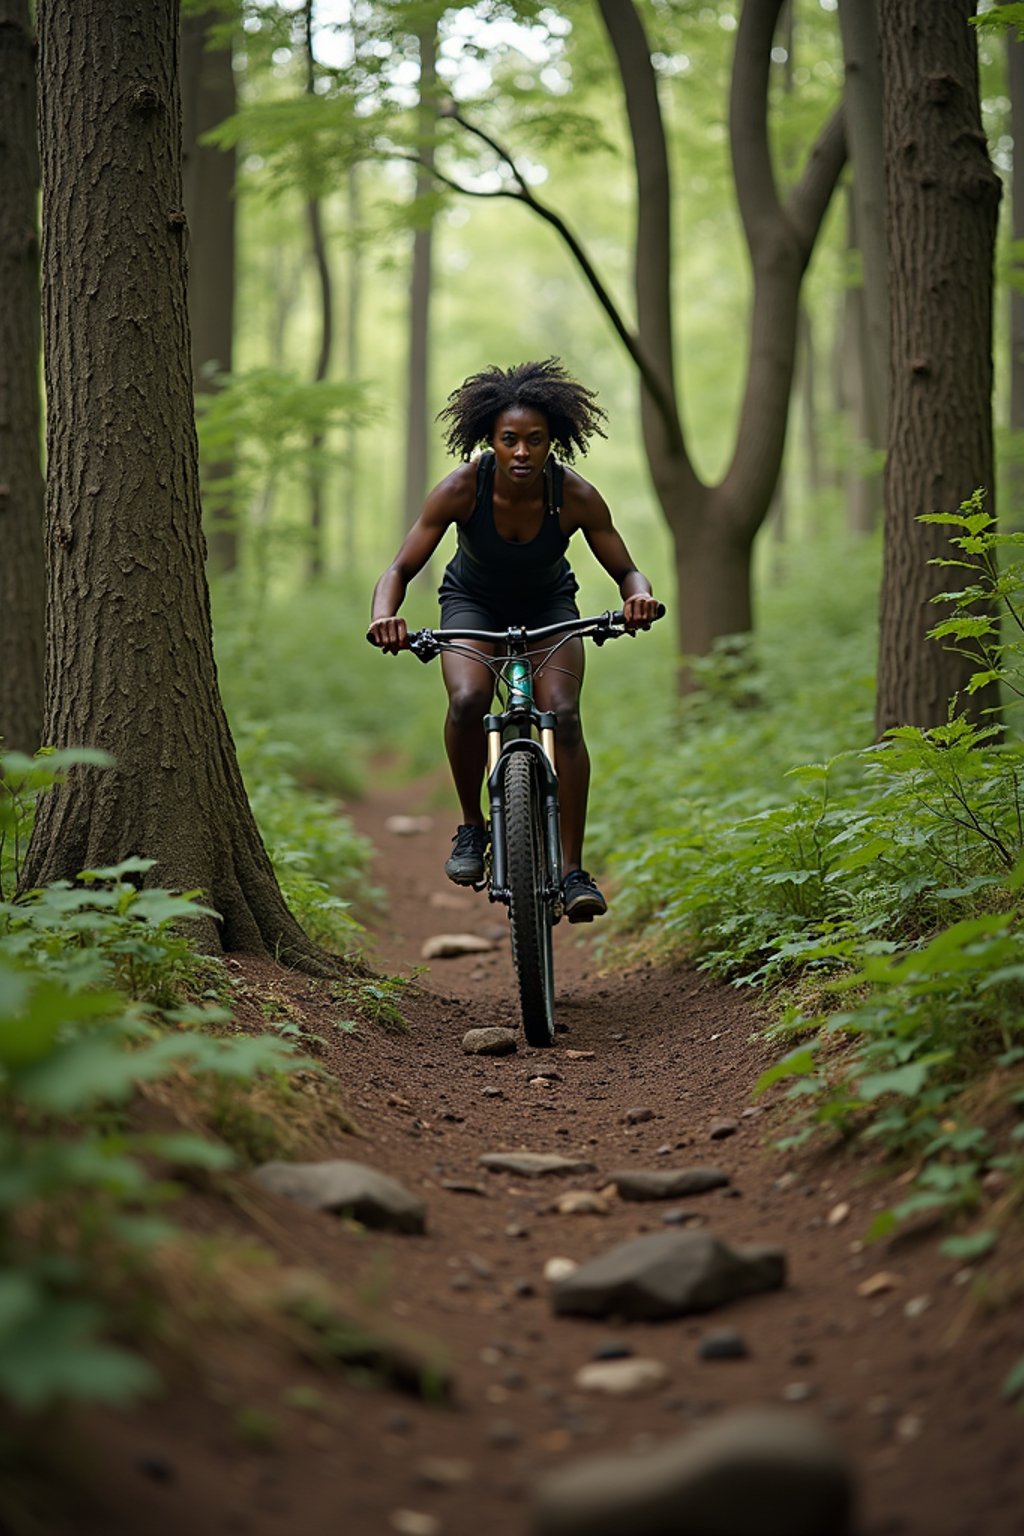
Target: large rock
758,1472
449,946
490,1041
667,1274
667,1183
533,1165
347,1189
632,1377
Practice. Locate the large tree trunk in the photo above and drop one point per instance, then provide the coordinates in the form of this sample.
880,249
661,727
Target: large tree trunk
208,176
713,528
22,582
417,392
129,663
943,199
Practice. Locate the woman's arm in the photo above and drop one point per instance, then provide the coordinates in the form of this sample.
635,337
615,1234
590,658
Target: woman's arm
447,503
590,512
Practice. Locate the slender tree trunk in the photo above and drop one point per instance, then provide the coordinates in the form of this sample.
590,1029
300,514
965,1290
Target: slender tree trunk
129,663
22,581
314,212
858,21
943,199
422,277
808,374
863,490
208,178
352,366
1015,70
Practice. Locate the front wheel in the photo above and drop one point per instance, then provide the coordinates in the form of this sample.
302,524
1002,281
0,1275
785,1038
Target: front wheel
529,913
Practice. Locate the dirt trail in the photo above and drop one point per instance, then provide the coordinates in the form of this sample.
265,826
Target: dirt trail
908,1379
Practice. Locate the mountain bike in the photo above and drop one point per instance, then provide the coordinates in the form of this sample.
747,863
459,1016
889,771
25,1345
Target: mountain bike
524,866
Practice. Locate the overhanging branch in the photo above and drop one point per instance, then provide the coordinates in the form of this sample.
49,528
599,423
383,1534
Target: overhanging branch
520,192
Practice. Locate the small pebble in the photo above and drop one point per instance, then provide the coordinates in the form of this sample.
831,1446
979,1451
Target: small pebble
916,1305
721,1129
414,1522
798,1392
878,1284
503,1434
638,1115
838,1214
558,1269
443,1471
723,1344
614,1349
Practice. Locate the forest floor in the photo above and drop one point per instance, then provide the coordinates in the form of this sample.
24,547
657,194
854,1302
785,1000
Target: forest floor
252,1439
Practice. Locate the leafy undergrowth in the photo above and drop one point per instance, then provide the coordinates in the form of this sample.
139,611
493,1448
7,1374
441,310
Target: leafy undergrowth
133,1070
874,894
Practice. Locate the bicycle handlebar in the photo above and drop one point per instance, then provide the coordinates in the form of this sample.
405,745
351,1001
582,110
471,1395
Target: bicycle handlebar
427,643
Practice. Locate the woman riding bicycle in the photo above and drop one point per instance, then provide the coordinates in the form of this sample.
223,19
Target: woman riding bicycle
515,508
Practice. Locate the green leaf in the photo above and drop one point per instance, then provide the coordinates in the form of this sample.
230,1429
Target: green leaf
55,1356
133,866
971,1246
798,1063
908,1081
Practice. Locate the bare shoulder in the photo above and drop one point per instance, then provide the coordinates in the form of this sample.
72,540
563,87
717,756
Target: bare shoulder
584,505
453,499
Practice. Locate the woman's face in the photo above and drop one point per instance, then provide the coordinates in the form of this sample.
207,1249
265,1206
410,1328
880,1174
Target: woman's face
521,444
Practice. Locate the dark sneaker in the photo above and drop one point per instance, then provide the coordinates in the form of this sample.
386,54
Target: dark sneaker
581,897
465,863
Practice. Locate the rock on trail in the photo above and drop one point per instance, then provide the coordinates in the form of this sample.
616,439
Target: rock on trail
753,1473
345,1188
667,1274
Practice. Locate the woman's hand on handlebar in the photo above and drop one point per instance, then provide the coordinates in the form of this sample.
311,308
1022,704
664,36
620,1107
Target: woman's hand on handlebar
391,635
640,610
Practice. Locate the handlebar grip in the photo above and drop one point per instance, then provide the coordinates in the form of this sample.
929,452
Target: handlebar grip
618,617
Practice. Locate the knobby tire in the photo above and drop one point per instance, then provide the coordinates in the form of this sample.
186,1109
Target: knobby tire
529,914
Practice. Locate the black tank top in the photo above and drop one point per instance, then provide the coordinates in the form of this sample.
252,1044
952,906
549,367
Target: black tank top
500,572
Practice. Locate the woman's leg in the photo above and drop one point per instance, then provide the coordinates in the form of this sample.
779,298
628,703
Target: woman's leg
470,693
557,688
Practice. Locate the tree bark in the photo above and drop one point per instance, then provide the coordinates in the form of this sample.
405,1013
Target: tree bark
129,663
208,173
943,199
22,580
713,528
421,283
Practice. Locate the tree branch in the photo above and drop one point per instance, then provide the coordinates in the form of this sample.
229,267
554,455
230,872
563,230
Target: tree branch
809,199
522,193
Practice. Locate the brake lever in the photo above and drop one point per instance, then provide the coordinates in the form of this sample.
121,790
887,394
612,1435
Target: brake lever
423,645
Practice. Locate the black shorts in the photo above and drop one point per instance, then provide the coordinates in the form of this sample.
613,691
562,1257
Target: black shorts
463,610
